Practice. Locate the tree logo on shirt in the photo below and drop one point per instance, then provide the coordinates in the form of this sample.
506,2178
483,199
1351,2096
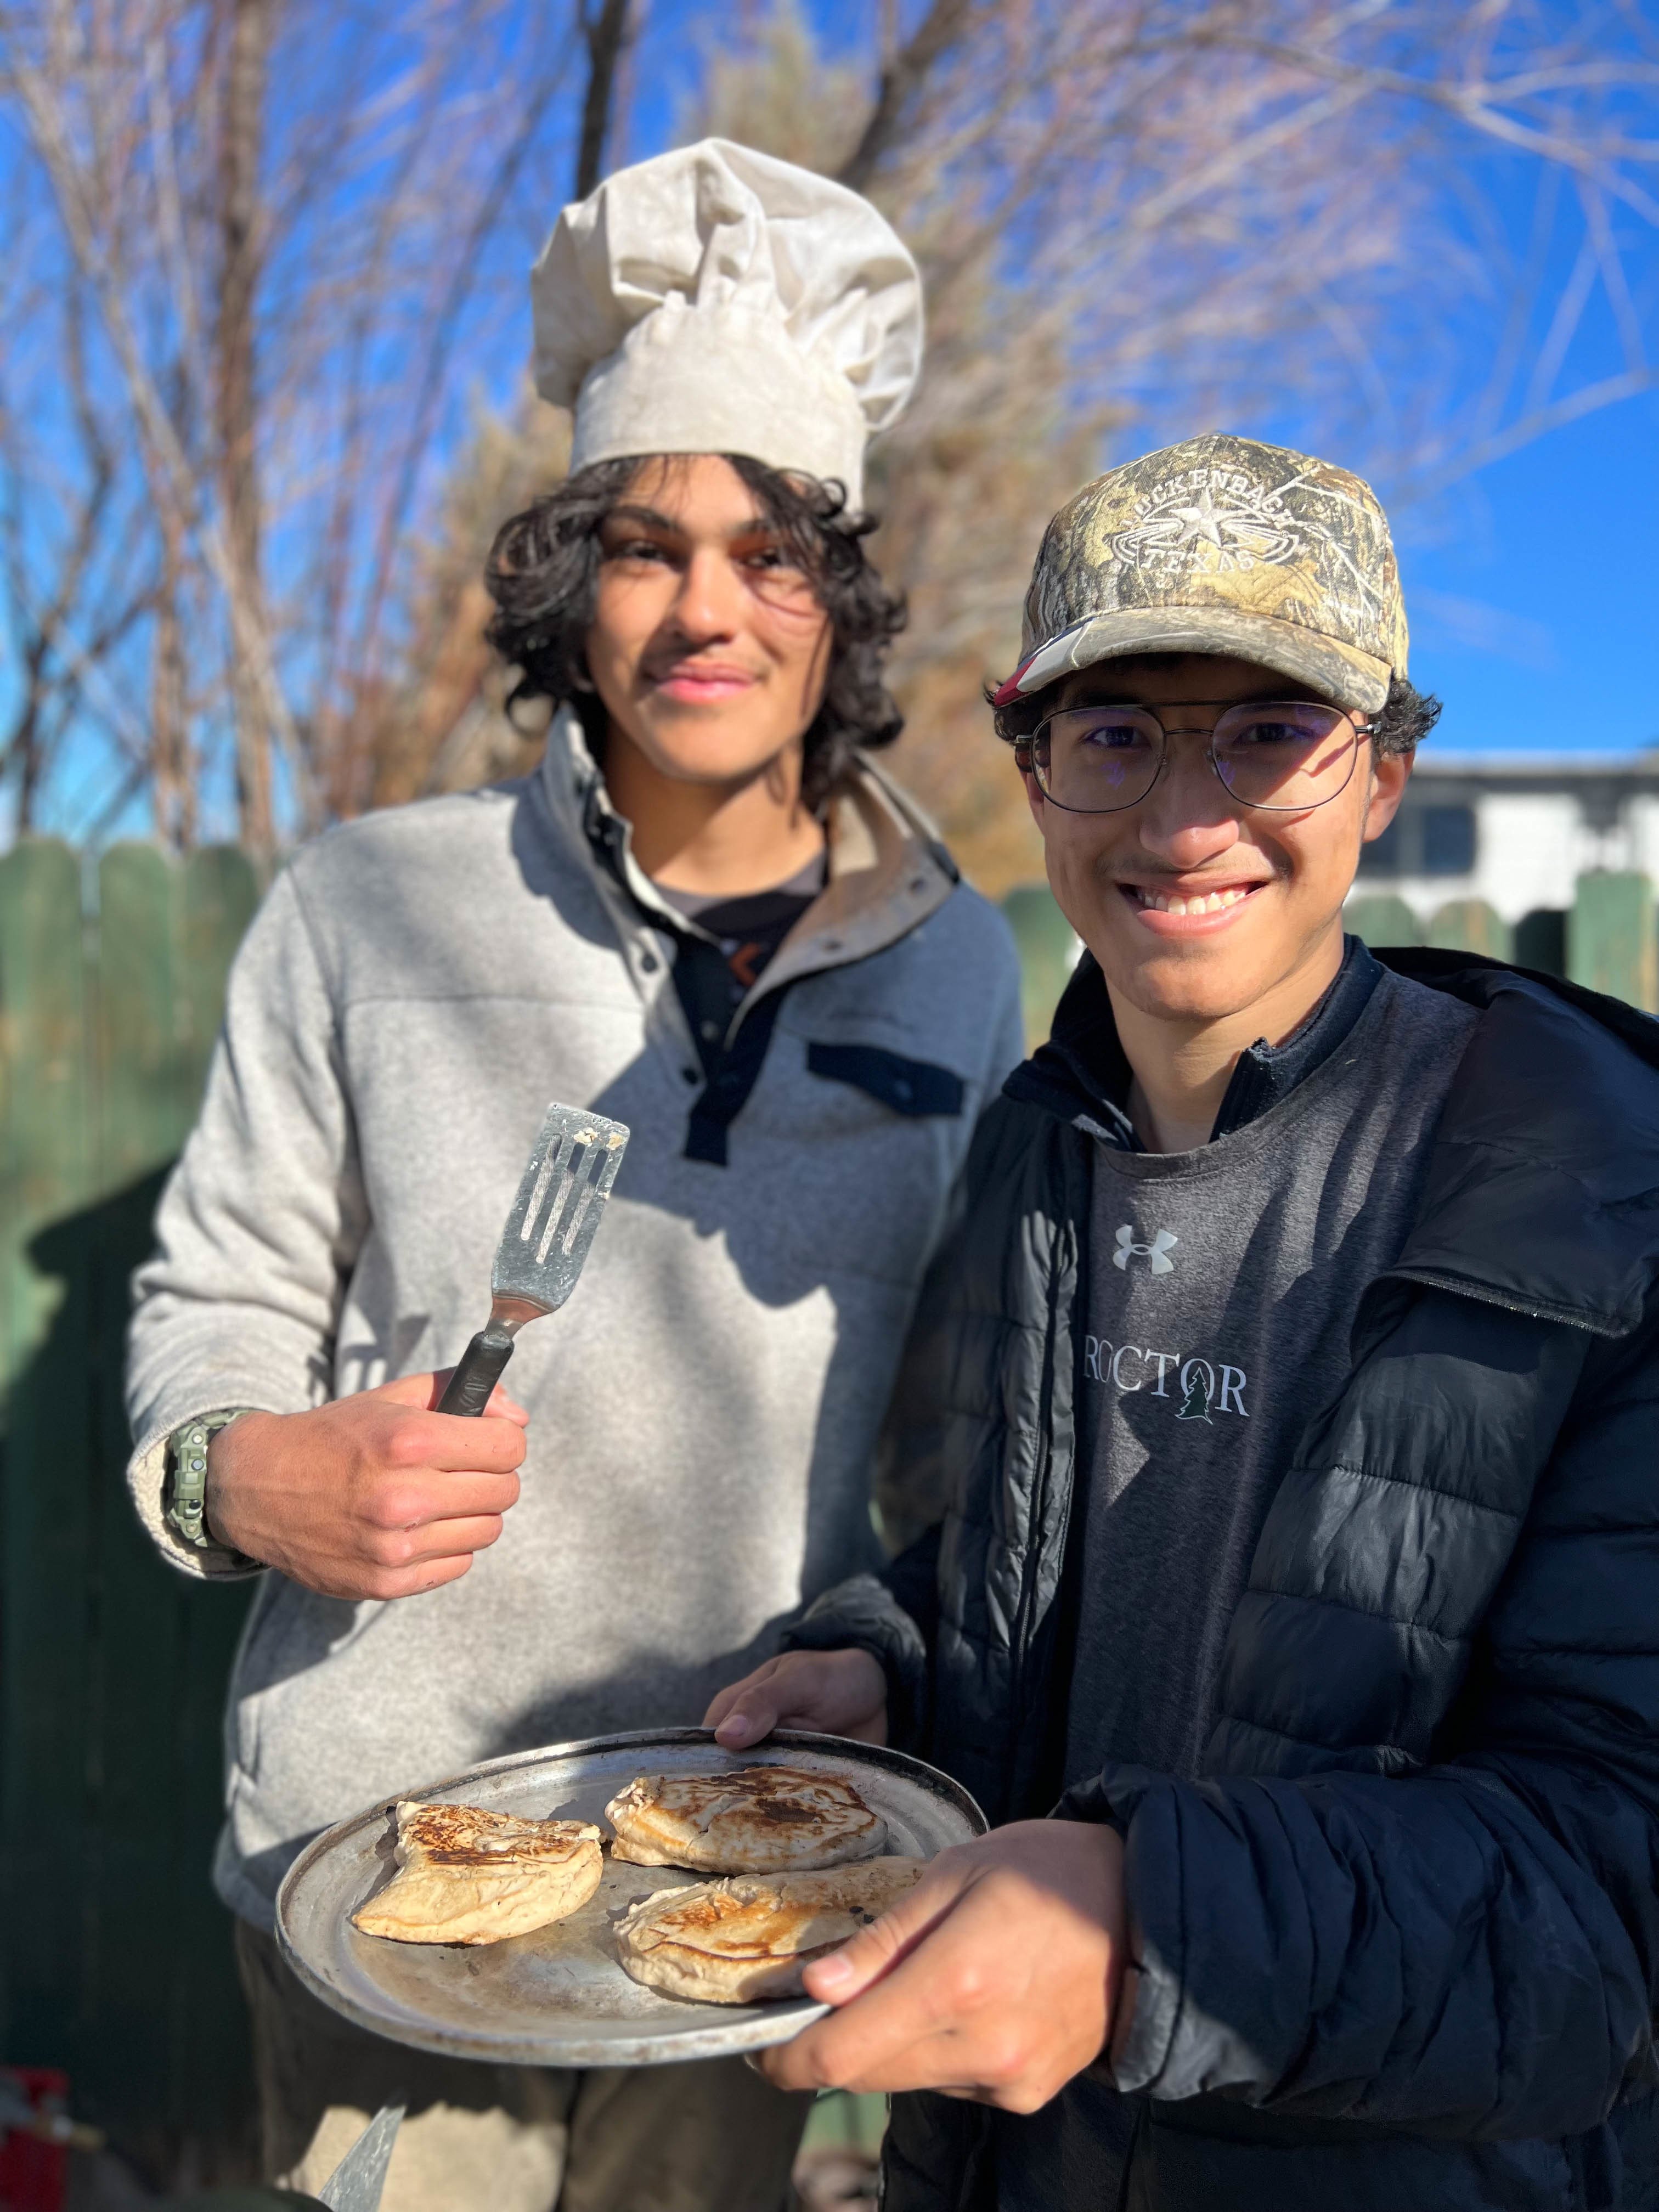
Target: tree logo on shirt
1195,1404
1157,1253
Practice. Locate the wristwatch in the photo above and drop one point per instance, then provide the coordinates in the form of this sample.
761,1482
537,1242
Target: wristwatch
187,1472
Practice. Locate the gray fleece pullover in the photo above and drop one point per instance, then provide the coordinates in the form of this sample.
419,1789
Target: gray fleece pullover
704,1411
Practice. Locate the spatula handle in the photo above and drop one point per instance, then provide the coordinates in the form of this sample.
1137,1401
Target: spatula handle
477,1371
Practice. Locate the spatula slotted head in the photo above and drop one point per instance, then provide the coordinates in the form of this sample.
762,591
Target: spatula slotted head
557,1210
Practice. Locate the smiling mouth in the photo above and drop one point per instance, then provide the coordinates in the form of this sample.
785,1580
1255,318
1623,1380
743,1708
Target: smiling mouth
1187,903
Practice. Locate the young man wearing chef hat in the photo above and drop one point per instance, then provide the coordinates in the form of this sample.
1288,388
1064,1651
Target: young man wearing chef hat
705,914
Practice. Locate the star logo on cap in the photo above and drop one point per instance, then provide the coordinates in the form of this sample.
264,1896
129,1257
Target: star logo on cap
1200,521
1245,526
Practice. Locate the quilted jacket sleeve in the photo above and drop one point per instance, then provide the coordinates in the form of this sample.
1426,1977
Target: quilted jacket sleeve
1462,1938
867,1611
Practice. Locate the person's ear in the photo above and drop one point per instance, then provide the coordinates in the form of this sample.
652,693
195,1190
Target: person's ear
1390,775
1034,798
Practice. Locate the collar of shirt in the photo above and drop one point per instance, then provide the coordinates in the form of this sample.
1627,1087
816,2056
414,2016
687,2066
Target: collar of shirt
1086,1056
1268,1073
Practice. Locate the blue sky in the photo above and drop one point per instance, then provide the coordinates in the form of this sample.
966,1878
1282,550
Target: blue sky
1555,550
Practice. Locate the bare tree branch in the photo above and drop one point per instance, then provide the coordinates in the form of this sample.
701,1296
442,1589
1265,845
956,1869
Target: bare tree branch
241,139
902,77
1528,429
604,27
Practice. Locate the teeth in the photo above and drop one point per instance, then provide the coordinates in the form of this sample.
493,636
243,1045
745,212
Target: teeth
1162,902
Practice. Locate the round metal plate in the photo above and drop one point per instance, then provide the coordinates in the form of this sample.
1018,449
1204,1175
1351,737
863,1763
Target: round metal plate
558,1997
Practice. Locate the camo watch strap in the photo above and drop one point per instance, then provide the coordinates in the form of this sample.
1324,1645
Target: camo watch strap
187,1471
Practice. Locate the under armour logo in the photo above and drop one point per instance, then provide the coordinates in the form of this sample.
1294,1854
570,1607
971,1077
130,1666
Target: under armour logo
1158,1252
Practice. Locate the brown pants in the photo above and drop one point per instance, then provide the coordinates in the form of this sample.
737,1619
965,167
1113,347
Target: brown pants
710,2136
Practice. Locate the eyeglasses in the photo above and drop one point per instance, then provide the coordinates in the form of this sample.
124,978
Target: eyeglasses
1283,756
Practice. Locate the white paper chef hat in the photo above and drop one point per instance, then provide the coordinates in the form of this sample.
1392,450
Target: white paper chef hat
716,300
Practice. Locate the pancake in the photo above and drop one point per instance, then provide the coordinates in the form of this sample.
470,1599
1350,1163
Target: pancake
747,1939
468,1876
758,1820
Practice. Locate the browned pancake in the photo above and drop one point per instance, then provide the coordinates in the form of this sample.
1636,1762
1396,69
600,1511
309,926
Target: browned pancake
747,1939
758,1820
468,1876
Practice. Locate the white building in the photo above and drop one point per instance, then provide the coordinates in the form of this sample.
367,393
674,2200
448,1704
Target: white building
1516,831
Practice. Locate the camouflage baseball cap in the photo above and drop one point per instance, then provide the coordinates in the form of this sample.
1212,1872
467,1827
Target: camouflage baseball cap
1224,545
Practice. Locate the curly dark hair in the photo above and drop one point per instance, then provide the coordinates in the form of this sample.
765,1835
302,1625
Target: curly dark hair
542,573
1399,727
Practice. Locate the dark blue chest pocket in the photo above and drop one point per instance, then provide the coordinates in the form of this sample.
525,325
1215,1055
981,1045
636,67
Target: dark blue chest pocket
908,1086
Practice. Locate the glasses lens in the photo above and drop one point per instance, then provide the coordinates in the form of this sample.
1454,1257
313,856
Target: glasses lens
1286,754
1092,760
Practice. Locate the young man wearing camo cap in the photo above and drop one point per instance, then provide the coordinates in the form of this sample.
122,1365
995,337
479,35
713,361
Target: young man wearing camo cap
1298,1541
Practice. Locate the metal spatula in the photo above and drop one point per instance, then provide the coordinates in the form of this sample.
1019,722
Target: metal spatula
561,1197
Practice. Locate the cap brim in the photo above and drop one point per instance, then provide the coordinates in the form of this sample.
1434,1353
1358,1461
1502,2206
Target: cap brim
1340,674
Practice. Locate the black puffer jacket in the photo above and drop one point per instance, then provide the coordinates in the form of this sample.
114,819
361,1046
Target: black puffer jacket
1400,1942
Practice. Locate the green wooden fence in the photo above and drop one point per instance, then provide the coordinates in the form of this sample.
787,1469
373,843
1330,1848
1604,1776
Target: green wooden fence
1608,939
114,1959
1047,953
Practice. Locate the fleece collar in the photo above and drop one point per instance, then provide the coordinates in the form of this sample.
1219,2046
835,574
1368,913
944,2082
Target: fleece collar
888,869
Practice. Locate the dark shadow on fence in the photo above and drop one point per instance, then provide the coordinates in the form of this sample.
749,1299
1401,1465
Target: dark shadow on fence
115,1959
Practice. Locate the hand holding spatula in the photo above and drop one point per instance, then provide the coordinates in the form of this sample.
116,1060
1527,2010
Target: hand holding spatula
370,1496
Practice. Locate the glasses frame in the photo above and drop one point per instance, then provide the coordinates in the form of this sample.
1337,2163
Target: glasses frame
1025,750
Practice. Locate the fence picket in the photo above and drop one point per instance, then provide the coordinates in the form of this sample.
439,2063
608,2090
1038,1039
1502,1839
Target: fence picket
1611,944
139,1012
221,892
1381,919
47,1136
1047,953
1470,926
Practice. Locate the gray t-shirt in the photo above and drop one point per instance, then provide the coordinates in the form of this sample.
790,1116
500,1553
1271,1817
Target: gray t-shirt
1223,1288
